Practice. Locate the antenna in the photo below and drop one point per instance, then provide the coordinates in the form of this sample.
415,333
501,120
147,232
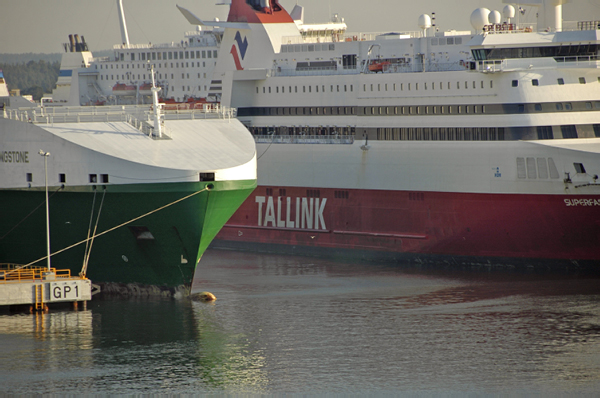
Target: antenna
124,35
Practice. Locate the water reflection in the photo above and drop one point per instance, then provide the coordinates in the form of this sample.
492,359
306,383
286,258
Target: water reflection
298,325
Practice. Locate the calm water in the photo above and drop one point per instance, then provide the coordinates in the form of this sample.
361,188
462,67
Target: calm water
308,326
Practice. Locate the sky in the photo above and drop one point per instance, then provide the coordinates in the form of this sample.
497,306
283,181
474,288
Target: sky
41,26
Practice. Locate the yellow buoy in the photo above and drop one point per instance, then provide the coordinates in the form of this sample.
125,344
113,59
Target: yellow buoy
203,296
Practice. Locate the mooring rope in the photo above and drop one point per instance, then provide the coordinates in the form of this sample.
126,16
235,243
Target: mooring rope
89,252
90,225
110,230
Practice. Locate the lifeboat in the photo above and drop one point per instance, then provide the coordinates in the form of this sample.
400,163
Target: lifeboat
146,89
378,66
123,89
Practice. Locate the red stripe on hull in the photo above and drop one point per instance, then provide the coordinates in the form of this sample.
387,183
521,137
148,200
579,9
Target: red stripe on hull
435,223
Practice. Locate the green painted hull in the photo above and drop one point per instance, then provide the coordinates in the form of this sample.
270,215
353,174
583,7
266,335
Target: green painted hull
161,249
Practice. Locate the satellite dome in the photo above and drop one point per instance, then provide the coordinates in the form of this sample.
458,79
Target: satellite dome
480,18
508,11
424,21
495,17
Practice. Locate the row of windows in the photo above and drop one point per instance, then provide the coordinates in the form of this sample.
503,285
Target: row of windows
296,48
536,168
130,76
438,134
145,66
537,52
441,134
104,178
62,178
482,133
397,86
422,85
446,40
341,194
560,81
157,55
497,109
332,88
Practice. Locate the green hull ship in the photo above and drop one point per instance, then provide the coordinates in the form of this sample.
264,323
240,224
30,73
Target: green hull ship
133,210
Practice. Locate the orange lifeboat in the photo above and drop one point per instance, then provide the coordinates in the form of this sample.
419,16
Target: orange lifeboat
123,89
378,66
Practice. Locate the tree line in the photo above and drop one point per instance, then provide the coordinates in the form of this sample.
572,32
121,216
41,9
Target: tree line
32,78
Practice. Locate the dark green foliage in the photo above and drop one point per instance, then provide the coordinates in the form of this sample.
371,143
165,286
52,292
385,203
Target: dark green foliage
35,78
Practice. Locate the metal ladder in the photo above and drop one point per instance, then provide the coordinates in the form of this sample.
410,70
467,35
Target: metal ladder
39,297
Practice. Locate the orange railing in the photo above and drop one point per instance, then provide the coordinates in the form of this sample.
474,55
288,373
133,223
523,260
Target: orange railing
12,273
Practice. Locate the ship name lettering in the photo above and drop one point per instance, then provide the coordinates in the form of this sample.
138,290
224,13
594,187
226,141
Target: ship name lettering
582,202
14,157
284,212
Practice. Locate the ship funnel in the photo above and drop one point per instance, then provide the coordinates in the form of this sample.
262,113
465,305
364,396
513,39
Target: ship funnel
84,46
71,44
77,45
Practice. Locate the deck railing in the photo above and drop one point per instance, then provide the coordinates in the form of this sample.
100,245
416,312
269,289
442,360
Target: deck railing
134,115
12,273
303,139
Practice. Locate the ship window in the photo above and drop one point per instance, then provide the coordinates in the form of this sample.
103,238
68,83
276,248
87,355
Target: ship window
104,178
531,169
588,105
207,176
579,168
62,178
542,168
29,177
535,82
515,83
559,106
597,104
538,107
561,81
582,80
545,133
569,131
568,106
552,168
597,130
521,170
93,178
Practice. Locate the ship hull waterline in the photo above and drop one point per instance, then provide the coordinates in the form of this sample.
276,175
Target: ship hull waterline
445,228
158,252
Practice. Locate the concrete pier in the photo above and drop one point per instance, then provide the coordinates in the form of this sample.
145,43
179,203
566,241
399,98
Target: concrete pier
39,287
